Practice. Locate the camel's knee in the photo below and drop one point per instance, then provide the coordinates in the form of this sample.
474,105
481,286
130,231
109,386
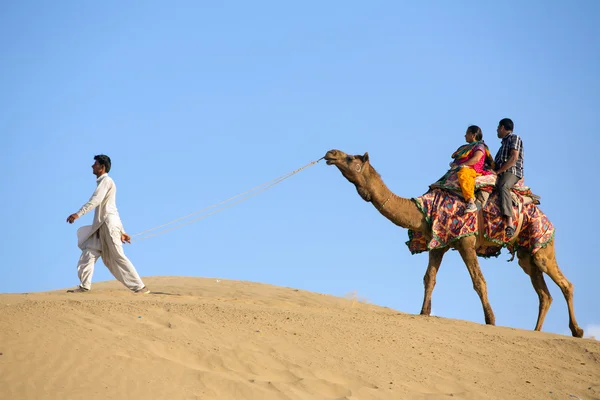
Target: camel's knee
429,279
480,287
550,268
545,298
567,288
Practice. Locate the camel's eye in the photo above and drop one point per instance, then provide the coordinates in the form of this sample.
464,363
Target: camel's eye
348,158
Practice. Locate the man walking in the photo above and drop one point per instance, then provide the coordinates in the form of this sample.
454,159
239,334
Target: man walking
509,168
106,236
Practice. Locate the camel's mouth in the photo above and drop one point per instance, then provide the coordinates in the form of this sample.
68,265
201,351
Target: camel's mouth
332,157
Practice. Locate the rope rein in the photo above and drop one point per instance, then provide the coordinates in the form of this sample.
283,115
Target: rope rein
244,196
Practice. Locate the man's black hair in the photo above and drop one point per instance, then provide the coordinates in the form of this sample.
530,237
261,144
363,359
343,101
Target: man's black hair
103,160
507,124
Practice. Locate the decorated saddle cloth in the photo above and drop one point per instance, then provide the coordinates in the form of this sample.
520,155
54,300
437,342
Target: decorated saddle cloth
444,210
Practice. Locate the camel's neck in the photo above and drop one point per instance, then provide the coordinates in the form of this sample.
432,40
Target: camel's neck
402,212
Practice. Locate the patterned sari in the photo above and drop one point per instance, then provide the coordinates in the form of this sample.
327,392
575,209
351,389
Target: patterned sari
465,152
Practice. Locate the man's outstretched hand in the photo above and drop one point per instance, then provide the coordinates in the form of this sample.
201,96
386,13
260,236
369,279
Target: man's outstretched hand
72,218
125,238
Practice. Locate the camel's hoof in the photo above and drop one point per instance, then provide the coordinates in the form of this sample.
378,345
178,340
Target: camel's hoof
578,332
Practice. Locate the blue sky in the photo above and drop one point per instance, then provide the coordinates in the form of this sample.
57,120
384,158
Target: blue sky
196,102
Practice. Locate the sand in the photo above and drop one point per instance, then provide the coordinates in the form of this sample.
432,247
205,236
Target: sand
199,338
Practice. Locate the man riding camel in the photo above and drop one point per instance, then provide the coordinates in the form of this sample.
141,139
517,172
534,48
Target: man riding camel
509,168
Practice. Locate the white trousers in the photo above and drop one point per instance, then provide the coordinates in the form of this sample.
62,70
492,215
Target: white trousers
105,243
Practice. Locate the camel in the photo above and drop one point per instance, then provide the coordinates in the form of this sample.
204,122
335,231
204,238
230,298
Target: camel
404,213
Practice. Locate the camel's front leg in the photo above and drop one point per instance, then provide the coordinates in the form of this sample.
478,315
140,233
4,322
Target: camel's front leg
466,248
435,259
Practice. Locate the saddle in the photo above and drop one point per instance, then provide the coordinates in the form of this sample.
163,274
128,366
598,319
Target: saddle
484,186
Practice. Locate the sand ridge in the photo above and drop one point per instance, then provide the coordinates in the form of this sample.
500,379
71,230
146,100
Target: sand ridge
208,338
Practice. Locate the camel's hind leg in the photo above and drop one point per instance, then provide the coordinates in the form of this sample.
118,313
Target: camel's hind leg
466,248
539,284
545,259
435,259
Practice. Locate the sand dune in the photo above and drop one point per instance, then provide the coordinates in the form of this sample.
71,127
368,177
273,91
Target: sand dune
207,339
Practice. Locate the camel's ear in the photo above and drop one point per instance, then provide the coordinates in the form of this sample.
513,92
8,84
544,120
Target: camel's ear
366,157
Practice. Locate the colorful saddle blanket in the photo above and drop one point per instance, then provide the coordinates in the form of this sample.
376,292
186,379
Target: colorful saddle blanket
444,210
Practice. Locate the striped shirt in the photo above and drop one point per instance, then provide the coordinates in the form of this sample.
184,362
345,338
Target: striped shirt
509,143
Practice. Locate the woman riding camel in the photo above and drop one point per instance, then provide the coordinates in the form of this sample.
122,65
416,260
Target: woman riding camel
472,160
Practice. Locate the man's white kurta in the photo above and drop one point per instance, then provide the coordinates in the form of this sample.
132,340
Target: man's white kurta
104,204
103,238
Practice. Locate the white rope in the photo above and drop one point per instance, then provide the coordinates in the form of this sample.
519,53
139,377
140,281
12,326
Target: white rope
248,194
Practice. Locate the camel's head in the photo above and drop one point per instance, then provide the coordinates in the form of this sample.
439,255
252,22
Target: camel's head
356,169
